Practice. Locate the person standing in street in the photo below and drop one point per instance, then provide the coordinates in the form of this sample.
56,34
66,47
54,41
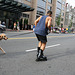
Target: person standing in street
18,29
15,26
42,25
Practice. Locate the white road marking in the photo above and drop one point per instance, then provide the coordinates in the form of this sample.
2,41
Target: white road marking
52,45
30,50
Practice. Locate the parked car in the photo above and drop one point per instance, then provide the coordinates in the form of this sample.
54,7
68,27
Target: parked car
2,28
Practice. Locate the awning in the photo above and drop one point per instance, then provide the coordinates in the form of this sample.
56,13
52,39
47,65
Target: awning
14,6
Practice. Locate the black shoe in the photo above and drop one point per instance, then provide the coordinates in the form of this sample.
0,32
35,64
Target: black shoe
41,58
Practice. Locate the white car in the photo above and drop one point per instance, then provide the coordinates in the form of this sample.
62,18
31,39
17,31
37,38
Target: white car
2,28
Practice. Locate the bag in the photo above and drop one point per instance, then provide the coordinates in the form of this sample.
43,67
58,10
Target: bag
33,27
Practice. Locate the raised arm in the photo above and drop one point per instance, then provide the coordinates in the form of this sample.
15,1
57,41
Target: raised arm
49,22
37,20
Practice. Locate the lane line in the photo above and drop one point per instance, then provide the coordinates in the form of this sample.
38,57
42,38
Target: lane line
35,37
30,50
53,46
22,38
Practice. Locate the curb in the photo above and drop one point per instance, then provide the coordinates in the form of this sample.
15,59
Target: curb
25,31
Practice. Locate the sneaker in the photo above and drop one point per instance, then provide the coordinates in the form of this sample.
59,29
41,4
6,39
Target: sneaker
41,58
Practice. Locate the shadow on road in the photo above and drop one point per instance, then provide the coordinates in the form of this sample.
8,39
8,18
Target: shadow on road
55,56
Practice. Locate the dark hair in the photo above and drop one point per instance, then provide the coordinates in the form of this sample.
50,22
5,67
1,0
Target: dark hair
49,12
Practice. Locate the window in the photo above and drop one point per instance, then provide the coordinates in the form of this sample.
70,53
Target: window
63,3
62,14
29,0
69,17
41,4
58,5
58,11
50,1
44,0
40,11
61,25
49,7
26,15
62,8
57,15
59,1
61,19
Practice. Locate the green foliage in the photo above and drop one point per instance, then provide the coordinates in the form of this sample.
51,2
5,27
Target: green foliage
25,21
21,21
70,23
58,20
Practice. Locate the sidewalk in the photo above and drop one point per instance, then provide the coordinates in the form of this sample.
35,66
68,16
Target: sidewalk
21,31
26,31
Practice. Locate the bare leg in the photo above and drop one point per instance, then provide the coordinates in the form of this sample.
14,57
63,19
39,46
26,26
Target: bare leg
43,46
39,45
2,50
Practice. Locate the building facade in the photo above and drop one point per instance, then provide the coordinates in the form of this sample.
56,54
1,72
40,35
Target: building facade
73,18
11,11
60,11
70,16
40,8
63,9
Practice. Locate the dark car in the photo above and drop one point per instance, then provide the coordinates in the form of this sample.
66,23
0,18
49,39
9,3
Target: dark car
2,28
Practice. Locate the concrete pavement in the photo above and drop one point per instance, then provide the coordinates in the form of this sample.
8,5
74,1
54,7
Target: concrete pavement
60,51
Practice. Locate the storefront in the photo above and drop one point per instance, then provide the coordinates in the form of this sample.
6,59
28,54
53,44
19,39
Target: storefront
10,11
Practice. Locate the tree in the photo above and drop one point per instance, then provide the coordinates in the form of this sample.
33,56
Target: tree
24,23
71,22
27,21
58,20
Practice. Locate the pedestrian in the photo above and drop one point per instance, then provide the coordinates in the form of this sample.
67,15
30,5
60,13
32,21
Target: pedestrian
26,27
14,25
18,29
42,24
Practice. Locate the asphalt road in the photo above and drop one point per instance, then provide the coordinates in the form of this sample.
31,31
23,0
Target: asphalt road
21,55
